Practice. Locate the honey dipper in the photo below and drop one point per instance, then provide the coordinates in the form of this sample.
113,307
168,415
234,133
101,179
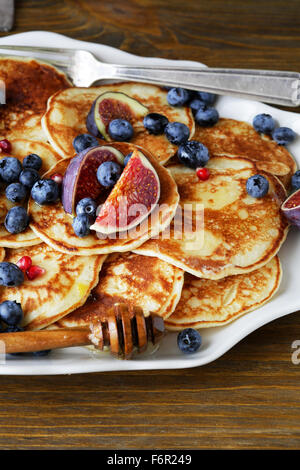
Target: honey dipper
122,330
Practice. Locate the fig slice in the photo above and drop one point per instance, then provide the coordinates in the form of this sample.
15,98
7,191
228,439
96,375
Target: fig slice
132,199
109,106
80,179
291,208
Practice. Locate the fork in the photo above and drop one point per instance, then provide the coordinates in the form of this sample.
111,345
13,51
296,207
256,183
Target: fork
84,69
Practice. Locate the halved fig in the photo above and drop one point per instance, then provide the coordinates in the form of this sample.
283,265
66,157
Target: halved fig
109,106
132,199
291,208
80,179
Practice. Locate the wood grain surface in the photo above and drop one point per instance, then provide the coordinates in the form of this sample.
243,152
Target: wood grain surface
250,397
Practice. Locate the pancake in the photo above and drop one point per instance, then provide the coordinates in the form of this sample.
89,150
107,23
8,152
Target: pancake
64,287
226,231
20,149
67,112
28,83
238,138
205,303
28,128
54,226
135,280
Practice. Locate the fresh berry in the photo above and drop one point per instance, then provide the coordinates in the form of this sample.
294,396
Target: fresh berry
11,312
16,220
196,104
155,123
178,96
45,191
206,116
10,169
14,329
10,275
296,180
34,271
177,133
43,353
264,123
28,177
207,98
189,340
193,154
127,158
84,141
33,161
57,177
5,146
283,135
87,206
24,263
108,173
257,186
203,174
16,192
81,225
120,130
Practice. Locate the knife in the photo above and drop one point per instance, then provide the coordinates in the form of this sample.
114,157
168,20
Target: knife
7,9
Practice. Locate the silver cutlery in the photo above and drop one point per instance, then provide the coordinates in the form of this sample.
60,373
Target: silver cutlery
6,15
84,69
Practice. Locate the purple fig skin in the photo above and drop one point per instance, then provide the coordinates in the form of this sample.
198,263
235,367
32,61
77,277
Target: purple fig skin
69,181
292,213
91,123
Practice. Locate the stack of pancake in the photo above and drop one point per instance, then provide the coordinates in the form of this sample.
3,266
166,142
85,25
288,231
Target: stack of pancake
222,265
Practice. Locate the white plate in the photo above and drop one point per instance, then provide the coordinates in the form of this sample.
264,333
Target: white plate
216,341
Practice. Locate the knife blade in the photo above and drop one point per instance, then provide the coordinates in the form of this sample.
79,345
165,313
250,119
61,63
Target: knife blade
7,9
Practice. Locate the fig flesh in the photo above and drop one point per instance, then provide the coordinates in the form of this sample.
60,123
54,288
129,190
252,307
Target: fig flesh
291,208
80,179
109,106
132,199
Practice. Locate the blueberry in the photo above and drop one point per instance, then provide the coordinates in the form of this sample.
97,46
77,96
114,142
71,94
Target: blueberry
87,206
16,220
189,340
120,130
196,104
193,154
43,353
207,98
178,96
296,180
10,275
10,169
84,141
177,133
263,123
206,116
14,329
108,173
11,312
16,192
257,186
28,177
155,123
45,192
127,158
81,225
283,135
33,161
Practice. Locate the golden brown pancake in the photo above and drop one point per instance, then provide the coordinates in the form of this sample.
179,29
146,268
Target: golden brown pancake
135,280
205,303
230,232
18,240
29,83
65,285
67,112
29,128
54,226
238,138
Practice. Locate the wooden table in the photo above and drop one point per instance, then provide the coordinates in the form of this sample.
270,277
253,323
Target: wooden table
250,397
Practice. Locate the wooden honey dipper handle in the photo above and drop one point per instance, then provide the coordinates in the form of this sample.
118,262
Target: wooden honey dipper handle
121,330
